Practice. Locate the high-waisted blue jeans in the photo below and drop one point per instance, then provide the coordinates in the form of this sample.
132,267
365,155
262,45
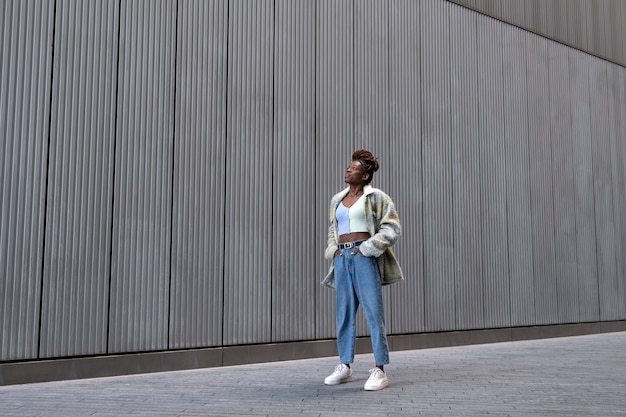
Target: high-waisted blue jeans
357,282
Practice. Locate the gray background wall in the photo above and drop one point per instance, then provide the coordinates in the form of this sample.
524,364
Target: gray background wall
167,166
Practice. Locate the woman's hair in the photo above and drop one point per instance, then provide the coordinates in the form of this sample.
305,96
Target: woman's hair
368,161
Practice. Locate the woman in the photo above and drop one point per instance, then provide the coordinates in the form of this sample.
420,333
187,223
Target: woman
364,225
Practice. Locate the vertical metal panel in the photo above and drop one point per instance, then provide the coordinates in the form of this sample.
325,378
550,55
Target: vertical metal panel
198,183
371,97
513,11
603,191
334,129
596,35
587,265
541,191
293,250
80,181
140,265
464,132
371,91
563,179
492,174
248,240
616,77
404,163
437,170
615,30
577,23
536,16
591,25
518,177
556,19
26,32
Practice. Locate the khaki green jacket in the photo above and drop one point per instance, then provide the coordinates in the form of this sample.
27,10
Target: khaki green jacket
383,225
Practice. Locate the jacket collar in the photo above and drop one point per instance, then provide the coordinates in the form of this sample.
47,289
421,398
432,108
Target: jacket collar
367,189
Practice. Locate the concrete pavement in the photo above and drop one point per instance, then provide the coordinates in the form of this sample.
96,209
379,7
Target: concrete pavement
570,376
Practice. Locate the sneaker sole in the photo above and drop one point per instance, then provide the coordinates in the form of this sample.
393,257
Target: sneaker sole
341,381
377,388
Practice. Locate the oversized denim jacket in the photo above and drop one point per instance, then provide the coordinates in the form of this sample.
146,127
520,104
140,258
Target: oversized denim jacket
383,225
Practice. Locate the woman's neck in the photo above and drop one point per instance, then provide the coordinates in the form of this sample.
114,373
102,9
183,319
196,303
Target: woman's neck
355,191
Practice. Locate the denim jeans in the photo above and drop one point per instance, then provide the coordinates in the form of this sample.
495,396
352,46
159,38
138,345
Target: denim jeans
357,282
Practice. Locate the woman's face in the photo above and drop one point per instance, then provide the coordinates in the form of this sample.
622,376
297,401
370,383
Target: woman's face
354,174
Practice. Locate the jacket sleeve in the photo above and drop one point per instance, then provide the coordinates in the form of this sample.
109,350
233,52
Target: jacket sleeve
331,246
387,226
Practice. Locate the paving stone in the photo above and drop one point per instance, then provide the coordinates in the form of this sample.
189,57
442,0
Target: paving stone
573,376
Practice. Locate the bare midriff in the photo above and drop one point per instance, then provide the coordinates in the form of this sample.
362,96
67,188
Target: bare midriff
353,237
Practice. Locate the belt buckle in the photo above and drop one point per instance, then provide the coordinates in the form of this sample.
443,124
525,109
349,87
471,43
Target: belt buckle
348,245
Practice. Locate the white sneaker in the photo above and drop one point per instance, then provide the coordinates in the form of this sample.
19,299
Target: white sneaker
377,380
342,374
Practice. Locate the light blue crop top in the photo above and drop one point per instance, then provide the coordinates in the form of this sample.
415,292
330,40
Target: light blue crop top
352,219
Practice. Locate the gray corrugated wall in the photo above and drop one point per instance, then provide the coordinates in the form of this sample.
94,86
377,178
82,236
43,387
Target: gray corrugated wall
27,31
595,26
293,290
186,152
80,180
195,317
405,149
334,130
142,196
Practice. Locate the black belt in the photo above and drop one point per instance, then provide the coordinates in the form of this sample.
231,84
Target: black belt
349,245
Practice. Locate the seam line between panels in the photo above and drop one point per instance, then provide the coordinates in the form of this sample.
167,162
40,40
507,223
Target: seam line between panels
117,85
225,168
173,178
420,98
47,184
595,222
273,139
451,169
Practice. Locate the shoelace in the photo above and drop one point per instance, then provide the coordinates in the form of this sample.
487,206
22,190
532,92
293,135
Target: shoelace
338,369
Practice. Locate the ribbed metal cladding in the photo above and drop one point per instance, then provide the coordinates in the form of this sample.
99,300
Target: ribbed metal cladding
493,185
466,168
195,317
596,26
517,159
371,99
577,23
541,186
26,33
437,167
512,11
591,25
603,191
248,226
616,82
615,30
563,180
294,249
403,165
334,131
536,16
556,20
142,201
80,180
586,242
